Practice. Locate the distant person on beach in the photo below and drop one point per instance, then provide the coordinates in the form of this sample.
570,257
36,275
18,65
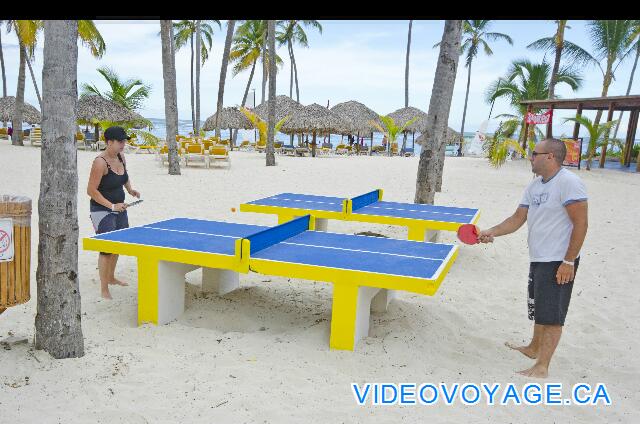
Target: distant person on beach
107,208
10,131
554,205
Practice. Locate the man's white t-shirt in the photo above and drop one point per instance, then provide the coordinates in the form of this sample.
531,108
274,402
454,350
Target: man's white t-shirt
549,224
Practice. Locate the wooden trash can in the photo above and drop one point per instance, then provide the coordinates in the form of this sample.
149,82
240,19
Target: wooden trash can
15,234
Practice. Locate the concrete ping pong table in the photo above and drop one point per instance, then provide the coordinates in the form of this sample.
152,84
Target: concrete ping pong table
365,271
369,207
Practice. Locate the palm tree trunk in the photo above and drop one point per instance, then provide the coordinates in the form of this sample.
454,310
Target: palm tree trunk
170,94
556,66
58,320
4,76
633,71
223,74
198,55
246,92
270,154
193,104
35,83
406,72
295,73
16,137
264,63
464,111
291,73
439,106
596,121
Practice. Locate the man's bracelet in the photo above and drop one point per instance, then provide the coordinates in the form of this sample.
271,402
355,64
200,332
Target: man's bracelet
564,261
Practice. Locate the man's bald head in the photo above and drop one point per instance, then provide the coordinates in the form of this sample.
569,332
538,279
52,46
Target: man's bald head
557,147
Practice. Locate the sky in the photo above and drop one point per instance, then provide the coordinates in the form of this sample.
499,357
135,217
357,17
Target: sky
350,60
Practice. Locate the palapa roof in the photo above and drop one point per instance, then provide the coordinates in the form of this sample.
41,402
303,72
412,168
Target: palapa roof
358,115
405,114
94,108
30,114
315,118
284,106
230,117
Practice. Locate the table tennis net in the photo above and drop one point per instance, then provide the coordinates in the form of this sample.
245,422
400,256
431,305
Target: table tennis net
364,200
271,236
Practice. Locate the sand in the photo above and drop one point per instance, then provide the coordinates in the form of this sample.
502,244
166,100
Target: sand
261,354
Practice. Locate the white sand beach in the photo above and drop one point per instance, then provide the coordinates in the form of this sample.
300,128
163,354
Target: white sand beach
261,353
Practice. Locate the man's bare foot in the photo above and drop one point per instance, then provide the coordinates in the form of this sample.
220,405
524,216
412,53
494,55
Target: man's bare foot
537,371
525,350
106,295
117,282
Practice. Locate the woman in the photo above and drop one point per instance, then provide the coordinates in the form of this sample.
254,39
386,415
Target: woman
108,211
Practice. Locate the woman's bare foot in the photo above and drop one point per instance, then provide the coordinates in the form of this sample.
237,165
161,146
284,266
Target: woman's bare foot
118,282
106,294
527,351
538,371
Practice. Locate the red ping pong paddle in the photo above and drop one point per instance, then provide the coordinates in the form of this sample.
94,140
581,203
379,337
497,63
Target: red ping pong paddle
468,234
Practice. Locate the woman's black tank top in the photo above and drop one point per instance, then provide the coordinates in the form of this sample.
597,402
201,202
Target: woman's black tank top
111,187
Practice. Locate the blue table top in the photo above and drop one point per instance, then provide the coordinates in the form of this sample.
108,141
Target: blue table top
302,201
361,253
419,211
186,234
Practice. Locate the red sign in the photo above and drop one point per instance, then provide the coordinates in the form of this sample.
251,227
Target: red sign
574,151
543,118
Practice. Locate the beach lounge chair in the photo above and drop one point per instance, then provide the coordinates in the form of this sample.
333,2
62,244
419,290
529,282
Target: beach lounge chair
277,147
302,151
35,137
408,151
195,153
163,155
451,150
341,149
219,153
261,146
244,145
4,133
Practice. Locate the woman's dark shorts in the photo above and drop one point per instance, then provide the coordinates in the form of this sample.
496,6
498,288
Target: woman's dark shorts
105,222
548,301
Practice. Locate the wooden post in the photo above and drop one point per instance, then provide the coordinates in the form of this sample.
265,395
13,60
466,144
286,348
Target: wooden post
526,129
631,134
576,127
603,153
550,124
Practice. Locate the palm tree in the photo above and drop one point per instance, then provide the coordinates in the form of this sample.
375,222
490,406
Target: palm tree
635,36
526,80
26,31
170,93
223,73
475,35
185,32
271,37
58,321
610,42
501,143
130,93
291,32
439,106
559,46
390,129
406,84
598,134
4,77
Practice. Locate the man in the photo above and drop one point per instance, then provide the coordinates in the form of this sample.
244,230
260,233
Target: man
555,207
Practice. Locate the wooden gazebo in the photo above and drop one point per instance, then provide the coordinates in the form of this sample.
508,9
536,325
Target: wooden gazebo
611,104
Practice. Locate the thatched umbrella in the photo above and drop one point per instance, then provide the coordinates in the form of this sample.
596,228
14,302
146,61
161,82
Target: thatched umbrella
359,116
230,117
314,119
284,106
92,109
30,114
405,114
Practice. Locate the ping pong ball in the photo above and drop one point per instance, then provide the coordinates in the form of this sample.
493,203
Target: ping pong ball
233,209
